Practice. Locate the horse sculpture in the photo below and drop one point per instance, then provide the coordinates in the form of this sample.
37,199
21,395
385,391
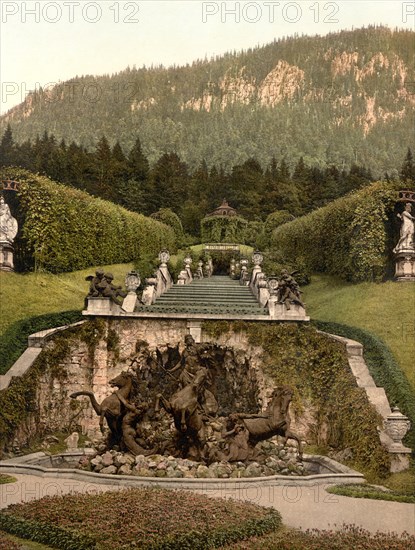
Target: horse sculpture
274,421
184,406
114,406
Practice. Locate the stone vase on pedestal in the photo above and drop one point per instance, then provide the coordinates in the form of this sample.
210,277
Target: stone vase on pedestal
397,426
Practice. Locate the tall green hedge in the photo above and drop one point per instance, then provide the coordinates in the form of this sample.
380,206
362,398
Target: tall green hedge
223,229
350,237
66,229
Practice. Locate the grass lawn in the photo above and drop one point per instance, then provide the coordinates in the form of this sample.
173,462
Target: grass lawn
387,310
23,296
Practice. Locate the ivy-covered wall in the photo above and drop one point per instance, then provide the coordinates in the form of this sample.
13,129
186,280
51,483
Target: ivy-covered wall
66,229
223,229
337,413
350,237
328,407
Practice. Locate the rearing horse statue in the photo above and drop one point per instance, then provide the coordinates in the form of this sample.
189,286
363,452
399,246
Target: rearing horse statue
114,406
184,406
274,421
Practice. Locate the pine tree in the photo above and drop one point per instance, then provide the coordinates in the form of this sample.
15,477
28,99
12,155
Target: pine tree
408,168
7,148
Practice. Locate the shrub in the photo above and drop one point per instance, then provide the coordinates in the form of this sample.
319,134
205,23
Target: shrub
349,237
168,217
275,219
66,229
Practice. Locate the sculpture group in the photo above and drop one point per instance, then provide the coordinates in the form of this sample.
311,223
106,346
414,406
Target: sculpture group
191,408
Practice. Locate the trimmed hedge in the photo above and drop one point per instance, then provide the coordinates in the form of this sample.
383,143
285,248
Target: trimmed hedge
66,229
383,367
13,341
223,229
349,237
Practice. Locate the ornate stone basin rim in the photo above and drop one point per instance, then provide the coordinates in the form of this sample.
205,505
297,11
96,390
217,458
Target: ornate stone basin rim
37,464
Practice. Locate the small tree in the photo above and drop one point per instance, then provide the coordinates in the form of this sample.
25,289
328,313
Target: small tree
408,168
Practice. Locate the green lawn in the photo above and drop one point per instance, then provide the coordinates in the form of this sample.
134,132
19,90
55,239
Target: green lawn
387,310
23,296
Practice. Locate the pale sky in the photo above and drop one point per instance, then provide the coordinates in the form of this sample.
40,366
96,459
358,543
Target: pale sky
49,41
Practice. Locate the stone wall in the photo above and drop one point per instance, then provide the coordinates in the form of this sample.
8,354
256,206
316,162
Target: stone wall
122,344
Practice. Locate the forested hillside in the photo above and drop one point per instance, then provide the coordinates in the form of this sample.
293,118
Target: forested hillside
341,99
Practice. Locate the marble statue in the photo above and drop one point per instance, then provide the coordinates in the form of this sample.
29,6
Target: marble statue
406,239
8,224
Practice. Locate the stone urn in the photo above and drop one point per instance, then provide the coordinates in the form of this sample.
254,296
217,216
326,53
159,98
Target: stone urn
397,426
164,257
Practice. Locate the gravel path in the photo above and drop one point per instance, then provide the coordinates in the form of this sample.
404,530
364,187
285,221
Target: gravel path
300,506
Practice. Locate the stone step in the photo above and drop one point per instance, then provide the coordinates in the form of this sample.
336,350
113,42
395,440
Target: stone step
233,305
200,309
209,298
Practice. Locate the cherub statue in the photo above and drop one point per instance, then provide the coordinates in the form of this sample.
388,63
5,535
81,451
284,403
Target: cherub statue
288,290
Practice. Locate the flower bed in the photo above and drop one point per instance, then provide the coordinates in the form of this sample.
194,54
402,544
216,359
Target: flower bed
346,538
149,519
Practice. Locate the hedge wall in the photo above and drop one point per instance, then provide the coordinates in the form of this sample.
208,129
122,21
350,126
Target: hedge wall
66,229
350,237
223,229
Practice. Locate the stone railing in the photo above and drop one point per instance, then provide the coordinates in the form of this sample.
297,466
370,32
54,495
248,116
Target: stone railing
265,290
159,283
395,424
203,270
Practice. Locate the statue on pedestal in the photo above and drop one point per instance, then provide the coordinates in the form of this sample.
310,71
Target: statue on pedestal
8,232
406,239
405,249
8,224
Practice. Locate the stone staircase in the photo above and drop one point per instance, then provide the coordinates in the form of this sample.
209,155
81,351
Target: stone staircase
214,295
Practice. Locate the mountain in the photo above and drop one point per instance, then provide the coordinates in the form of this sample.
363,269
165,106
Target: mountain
340,99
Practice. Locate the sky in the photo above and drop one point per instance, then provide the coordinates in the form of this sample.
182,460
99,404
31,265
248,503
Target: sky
44,41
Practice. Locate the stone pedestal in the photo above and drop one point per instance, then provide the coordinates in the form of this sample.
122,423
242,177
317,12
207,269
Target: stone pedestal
405,265
195,330
130,301
101,306
6,256
149,294
279,311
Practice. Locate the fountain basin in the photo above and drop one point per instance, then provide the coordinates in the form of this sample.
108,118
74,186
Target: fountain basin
320,470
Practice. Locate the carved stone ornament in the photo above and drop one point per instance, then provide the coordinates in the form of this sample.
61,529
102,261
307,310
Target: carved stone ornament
164,256
132,281
397,425
262,280
188,261
257,258
272,285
